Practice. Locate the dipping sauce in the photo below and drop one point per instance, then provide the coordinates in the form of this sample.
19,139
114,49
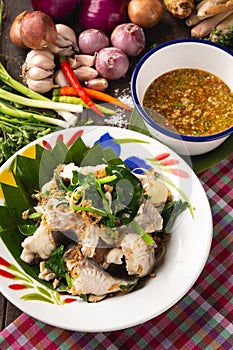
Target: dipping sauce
190,102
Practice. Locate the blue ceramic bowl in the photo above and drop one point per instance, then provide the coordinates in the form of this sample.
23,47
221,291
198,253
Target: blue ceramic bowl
184,53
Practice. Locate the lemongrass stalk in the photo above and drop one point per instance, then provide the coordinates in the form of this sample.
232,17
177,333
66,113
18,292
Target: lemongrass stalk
226,23
16,85
17,113
213,7
205,27
194,19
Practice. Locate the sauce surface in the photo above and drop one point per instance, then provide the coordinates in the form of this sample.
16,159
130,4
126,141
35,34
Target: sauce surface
190,101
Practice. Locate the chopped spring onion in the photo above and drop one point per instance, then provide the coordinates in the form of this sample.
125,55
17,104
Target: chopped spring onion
145,236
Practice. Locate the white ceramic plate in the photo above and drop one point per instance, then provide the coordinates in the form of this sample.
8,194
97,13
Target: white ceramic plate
186,256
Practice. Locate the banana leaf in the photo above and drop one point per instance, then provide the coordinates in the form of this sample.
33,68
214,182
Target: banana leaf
29,175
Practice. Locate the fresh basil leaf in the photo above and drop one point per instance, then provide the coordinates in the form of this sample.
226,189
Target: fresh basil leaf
56,262
127,196
170,212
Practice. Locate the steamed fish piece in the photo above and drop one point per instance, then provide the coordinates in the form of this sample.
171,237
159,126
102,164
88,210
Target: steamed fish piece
90,278
149,217
39,245
139,256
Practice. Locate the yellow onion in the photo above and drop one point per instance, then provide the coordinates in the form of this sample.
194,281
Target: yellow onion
146,13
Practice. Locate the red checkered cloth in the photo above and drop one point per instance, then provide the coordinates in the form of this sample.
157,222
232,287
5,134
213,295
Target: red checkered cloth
202,319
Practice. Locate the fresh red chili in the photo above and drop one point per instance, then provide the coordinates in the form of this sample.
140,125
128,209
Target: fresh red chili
70,76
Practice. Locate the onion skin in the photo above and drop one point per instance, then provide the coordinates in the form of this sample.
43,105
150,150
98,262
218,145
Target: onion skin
145,13
56,9
112,63
102,14
15,36
37,30
130,38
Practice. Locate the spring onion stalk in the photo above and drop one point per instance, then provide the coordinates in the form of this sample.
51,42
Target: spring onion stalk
91,209
9,96
17,113
77,100
145,236
14,84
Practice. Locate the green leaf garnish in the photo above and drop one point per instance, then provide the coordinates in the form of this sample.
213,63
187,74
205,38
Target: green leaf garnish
56,262
171,211
27,230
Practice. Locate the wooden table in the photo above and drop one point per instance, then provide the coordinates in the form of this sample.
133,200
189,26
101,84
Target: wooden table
168,28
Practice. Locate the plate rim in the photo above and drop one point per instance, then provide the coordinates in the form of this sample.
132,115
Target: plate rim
150,315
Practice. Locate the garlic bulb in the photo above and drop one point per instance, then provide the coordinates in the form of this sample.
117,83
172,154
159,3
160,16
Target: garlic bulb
66,43
38,70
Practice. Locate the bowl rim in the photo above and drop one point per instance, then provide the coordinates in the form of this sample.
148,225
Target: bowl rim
141,110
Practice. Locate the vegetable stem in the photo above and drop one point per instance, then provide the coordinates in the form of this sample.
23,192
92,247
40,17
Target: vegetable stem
98,95
9,96
77,100
6,109
145,236
91,209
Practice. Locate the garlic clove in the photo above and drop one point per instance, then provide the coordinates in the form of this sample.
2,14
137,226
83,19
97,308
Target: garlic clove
61,42
60,79
41,86
74,62
37,73
67,33
67,51
61,51
55,49
85,73
40,60
86,60
35,52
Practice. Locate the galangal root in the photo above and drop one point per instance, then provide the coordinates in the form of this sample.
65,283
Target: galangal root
180,8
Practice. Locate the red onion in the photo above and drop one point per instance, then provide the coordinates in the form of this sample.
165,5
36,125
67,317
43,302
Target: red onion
102,14
129,37
92,40
56,9
111,63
